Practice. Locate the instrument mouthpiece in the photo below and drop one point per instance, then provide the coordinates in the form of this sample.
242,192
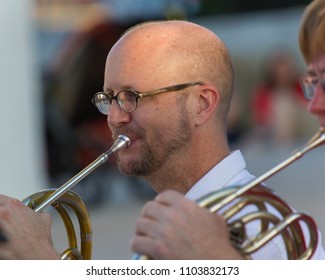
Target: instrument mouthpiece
121,142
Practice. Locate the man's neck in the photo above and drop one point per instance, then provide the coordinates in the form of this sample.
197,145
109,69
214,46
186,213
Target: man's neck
184,170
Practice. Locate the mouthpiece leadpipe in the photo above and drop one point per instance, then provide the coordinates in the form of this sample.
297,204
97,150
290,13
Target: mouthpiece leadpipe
121,143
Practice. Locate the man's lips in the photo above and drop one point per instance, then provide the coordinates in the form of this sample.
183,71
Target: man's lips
132,137
134,141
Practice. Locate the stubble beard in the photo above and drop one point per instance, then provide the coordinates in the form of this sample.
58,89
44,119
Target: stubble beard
152,157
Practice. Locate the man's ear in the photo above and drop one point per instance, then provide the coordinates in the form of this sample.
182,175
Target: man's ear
207,101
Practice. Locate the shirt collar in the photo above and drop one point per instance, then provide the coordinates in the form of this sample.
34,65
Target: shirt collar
230,170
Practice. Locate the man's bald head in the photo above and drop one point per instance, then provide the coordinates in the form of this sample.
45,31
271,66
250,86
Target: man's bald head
181,52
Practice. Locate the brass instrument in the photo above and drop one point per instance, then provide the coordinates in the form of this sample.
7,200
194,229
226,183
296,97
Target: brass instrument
62,197
231,200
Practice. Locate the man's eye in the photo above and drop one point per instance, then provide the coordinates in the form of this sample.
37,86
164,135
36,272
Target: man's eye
314,81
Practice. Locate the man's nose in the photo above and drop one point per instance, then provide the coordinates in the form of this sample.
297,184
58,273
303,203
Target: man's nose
116,117
317,104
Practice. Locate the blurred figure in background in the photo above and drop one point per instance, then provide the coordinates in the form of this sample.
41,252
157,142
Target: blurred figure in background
278,101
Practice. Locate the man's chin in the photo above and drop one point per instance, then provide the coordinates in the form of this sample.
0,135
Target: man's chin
125,167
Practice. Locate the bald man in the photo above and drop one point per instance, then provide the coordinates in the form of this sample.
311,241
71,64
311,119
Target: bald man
168,87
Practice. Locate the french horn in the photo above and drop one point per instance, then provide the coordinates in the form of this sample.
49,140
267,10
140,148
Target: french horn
63,200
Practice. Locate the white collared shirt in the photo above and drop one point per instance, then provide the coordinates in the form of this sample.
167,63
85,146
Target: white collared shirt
232,171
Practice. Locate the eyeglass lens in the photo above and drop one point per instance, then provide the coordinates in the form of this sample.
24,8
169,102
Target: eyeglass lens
309,86
127,100
102,103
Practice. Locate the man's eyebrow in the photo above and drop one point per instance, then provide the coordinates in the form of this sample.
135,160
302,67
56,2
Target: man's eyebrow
107,90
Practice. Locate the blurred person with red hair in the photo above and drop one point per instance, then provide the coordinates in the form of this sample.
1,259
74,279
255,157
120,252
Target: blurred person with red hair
277,100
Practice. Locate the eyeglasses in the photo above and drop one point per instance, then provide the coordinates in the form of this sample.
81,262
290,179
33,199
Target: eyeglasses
128,99
309,83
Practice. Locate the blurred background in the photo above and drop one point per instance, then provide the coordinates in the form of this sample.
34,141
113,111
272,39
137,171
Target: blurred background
52,56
